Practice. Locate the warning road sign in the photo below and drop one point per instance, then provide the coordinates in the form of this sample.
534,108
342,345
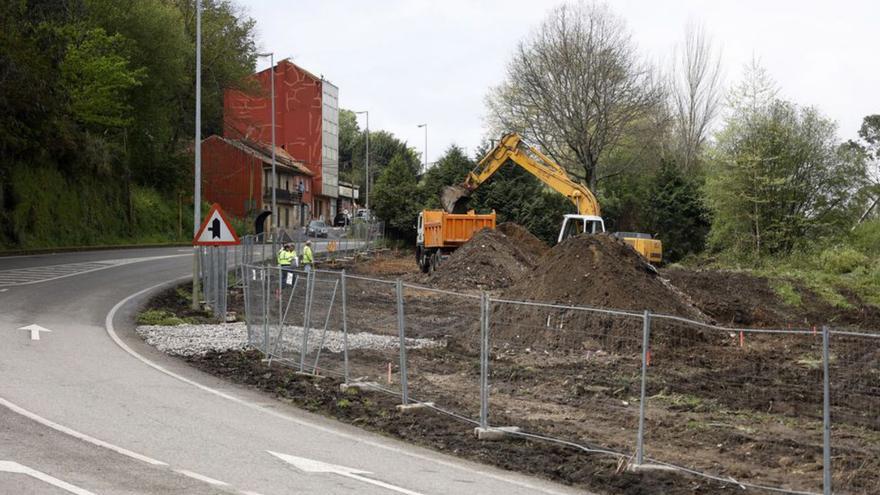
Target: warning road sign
216,230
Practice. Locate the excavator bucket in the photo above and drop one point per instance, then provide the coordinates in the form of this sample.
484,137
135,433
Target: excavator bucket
455,198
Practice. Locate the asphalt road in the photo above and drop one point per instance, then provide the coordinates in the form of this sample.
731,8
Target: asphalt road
89,408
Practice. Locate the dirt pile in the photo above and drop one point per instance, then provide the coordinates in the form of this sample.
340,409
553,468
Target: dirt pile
530,245
588,270
599,270
490,260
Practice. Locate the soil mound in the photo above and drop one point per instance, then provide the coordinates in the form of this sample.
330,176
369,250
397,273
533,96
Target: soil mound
490,260
588,270
527,243
599,270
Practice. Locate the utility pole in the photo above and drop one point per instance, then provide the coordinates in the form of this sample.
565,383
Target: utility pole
197,196
271,56
367,178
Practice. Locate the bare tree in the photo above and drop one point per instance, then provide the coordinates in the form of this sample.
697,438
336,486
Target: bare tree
574,87
695,92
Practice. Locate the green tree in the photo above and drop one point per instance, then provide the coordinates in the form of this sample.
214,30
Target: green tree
779,177
396,198
451,168
678,213
98,78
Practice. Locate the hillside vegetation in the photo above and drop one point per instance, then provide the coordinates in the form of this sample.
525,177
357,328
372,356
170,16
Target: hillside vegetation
97,115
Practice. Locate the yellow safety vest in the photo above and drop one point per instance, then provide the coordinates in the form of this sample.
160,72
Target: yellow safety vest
285,257
307,255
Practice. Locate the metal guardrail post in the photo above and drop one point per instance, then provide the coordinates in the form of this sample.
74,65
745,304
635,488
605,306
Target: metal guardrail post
826,414
401,327
640,441
484,360
344,326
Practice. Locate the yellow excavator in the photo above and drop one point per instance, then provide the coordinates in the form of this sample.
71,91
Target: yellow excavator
512,148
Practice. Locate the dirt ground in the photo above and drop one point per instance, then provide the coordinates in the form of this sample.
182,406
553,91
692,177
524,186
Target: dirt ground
746,406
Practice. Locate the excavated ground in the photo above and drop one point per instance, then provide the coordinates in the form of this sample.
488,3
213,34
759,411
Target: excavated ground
747,407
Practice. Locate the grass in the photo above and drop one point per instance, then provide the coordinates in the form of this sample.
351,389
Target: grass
159,317
786,292
686,402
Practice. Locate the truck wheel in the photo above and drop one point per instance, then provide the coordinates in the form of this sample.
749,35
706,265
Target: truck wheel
435,261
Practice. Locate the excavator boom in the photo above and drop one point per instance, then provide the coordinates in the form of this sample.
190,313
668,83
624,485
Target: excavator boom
513,147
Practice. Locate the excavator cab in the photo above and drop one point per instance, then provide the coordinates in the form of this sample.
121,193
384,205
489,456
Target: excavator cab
573,225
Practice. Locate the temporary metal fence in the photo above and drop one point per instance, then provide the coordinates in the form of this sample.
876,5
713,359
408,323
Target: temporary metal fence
749,407
343,242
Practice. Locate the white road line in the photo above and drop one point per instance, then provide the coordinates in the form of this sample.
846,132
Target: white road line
3,290
101,266
111,331
82,436
201,477
14,467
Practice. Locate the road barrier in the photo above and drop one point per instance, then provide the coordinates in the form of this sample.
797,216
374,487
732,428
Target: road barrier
752,407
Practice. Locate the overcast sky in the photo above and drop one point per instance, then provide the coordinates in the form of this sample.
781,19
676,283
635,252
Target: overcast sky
411,61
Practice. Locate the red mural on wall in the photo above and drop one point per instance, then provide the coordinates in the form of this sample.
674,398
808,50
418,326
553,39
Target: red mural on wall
298,118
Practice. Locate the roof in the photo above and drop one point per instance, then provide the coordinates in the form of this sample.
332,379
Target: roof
305,71
264,153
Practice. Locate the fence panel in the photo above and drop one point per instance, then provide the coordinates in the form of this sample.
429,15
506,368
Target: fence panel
854,367
373,333
442,348
565,372
743,404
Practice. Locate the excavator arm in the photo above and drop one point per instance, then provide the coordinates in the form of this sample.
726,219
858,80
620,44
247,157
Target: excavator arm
512,147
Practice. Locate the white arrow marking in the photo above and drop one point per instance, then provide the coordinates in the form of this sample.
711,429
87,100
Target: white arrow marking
14,467
313,466
35,331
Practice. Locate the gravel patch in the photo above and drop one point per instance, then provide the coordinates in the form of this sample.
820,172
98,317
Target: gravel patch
194,340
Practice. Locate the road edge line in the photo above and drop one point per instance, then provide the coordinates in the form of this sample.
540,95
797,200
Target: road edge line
81,436
111,332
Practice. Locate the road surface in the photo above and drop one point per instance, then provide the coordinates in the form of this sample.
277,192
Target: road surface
89,408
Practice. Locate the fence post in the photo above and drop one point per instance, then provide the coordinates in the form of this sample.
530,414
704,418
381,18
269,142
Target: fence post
484,360
310,289
245,293
344,326
826,415
640,441
401,327
265,275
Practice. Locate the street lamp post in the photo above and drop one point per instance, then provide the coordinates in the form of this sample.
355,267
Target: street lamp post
271,56
425,125
367,178
197,194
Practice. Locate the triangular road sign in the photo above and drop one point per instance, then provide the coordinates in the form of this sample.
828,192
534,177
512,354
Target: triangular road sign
216,230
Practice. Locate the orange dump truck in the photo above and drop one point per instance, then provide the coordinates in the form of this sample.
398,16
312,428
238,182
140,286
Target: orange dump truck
440,233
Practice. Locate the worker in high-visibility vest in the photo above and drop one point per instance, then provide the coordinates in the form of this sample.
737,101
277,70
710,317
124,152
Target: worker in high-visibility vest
308,259
287,261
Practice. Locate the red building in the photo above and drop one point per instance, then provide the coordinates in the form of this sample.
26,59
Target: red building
238,174
306,127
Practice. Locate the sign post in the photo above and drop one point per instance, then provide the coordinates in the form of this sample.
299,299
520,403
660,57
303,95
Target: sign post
216,232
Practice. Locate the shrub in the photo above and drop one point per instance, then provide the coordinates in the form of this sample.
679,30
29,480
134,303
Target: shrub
842,259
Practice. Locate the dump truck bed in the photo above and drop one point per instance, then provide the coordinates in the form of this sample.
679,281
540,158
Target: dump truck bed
450,230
